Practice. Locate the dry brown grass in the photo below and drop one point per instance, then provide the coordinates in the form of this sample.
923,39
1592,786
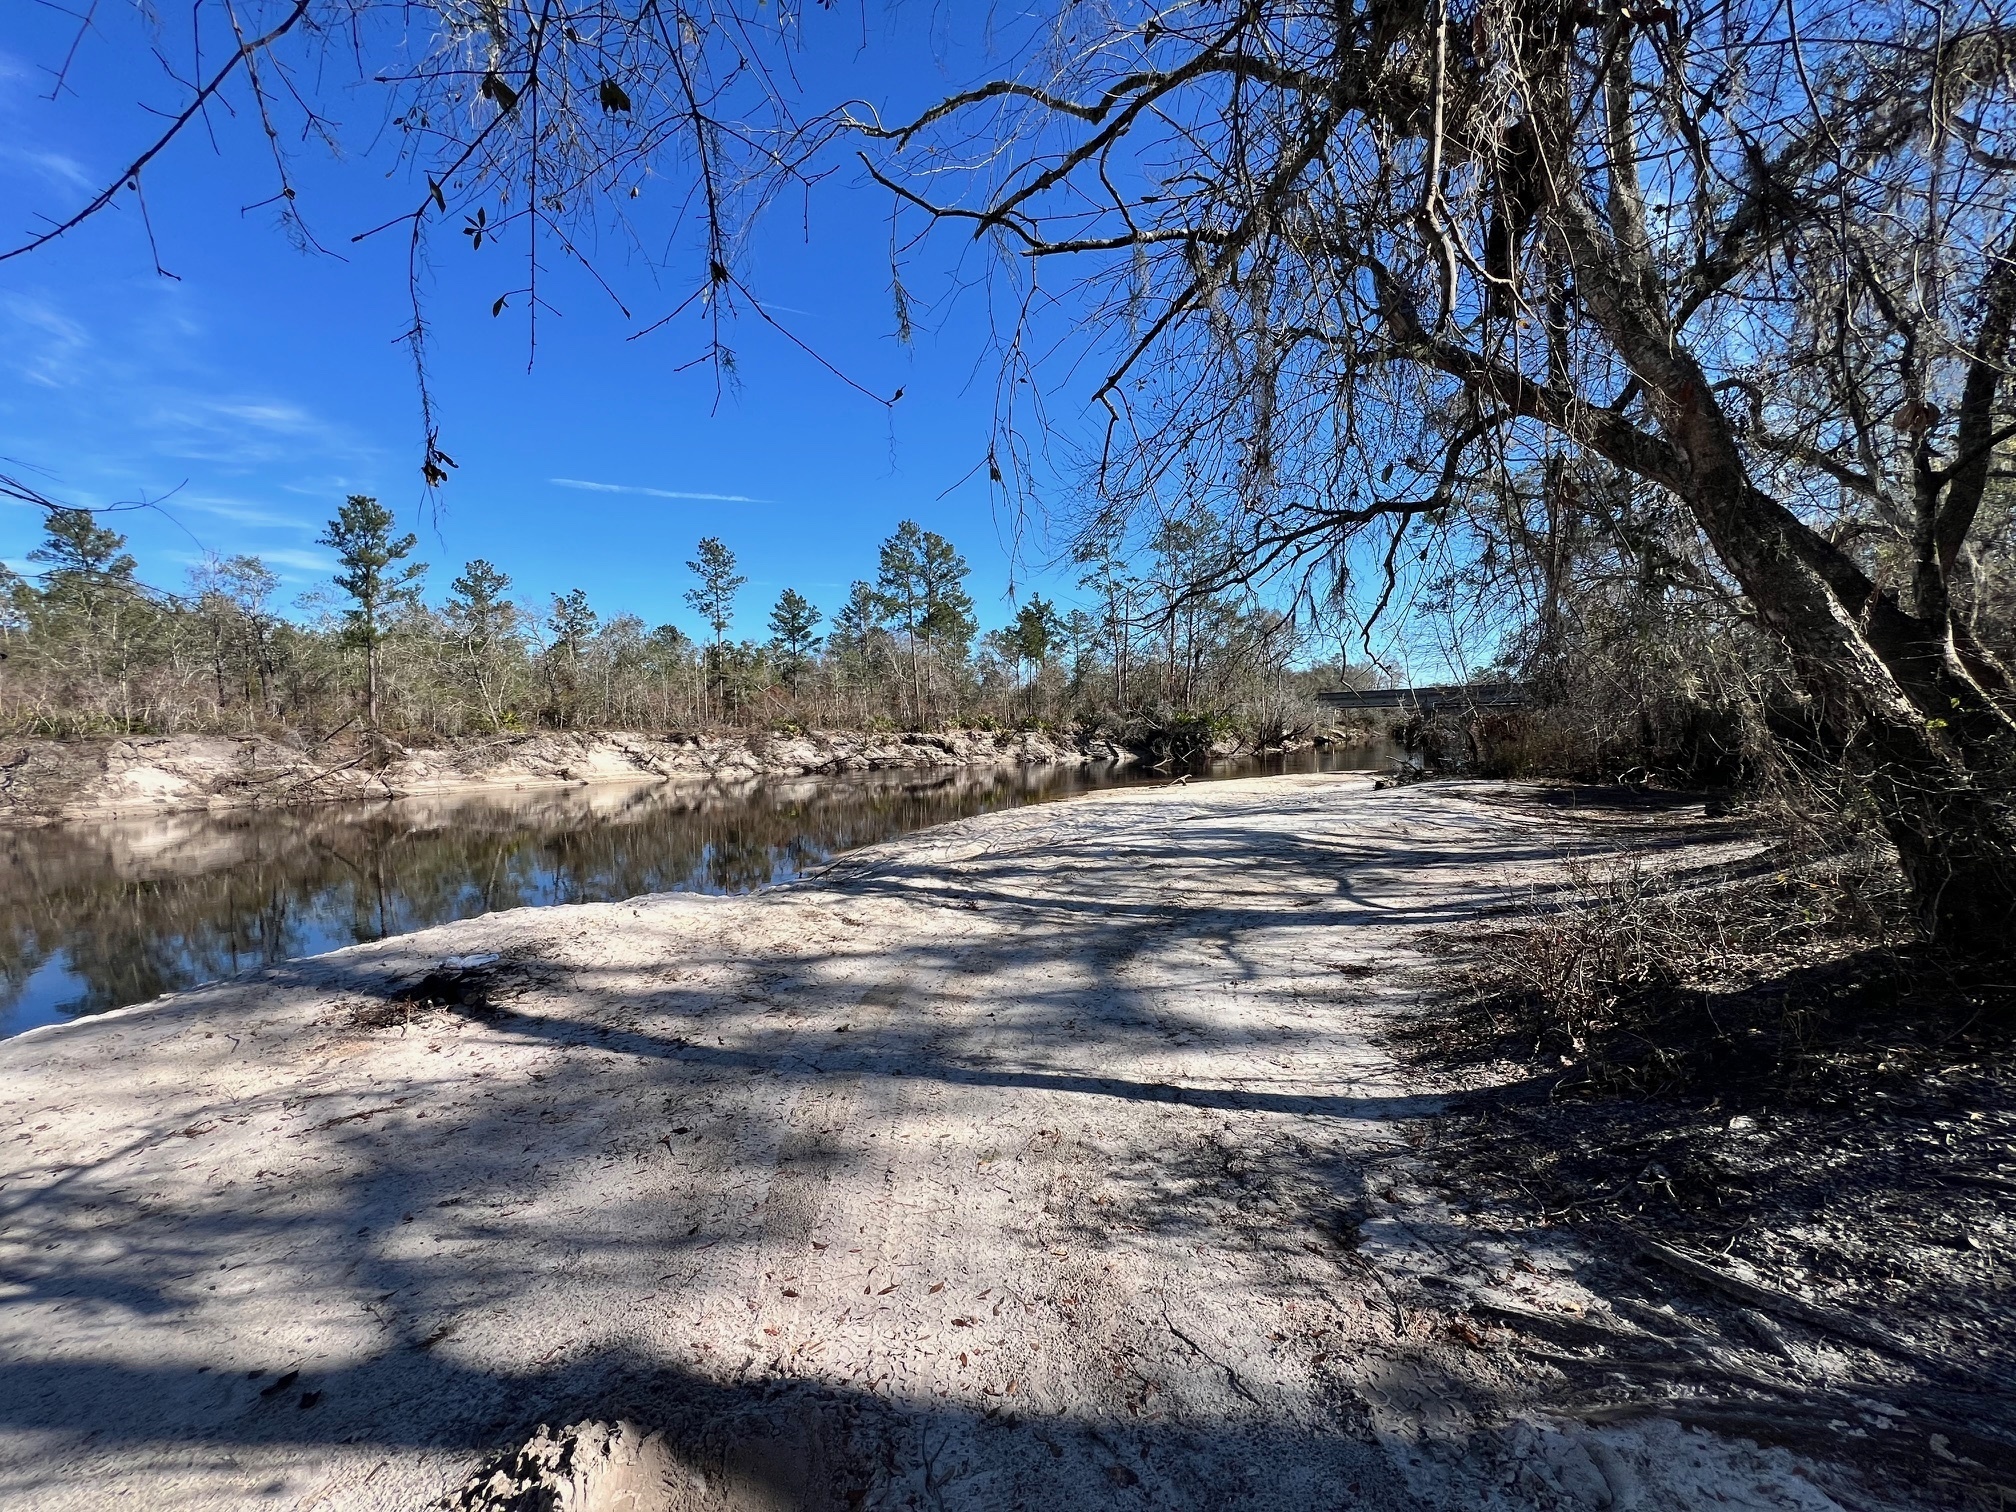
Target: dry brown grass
1780,982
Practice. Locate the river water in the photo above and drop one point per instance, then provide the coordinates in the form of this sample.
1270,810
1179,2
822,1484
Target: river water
96,916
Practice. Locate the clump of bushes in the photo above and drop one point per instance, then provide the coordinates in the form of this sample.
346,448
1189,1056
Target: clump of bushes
1674,741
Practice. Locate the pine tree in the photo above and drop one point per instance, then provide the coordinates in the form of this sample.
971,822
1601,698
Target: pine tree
856,624
572,623
1108,577
77,546
361,537
87,588
1037,631
714,598
791,639
921,585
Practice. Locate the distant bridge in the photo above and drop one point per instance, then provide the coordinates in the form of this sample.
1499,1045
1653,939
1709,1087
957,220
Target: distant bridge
1457,697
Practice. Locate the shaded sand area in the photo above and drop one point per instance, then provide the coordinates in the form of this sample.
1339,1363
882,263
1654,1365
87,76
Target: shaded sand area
1049,1159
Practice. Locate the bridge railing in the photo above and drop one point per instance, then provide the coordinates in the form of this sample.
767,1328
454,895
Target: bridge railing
1462,697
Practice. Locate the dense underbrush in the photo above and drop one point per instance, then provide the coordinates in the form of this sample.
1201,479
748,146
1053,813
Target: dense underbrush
1763,1069
1799,979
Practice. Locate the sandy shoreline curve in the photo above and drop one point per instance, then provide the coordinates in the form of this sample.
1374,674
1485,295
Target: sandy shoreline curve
1047,1159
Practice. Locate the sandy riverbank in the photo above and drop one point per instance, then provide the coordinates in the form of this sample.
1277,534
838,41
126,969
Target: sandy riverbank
44,781
1049,1159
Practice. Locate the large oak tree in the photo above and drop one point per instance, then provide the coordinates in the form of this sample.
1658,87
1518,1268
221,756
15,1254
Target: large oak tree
1358,258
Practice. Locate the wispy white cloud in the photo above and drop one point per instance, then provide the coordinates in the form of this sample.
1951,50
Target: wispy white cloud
57,167
656,493
288,419
168,404
326,487
300,561
239,512
45,346
238,431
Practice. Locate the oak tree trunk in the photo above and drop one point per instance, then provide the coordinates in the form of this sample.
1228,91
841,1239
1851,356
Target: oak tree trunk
1934,750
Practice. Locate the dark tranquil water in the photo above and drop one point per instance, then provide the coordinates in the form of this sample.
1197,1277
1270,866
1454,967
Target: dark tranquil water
96,916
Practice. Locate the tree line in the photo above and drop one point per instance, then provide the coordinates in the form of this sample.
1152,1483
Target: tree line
87,647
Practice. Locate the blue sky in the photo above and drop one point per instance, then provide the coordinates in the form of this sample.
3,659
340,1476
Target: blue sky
258,386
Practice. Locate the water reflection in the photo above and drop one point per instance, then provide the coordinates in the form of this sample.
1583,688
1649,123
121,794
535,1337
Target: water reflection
97,916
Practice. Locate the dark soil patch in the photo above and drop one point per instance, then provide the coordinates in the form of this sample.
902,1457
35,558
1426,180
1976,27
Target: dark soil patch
470,987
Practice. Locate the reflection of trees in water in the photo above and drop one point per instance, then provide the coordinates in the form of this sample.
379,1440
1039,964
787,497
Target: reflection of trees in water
136,909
